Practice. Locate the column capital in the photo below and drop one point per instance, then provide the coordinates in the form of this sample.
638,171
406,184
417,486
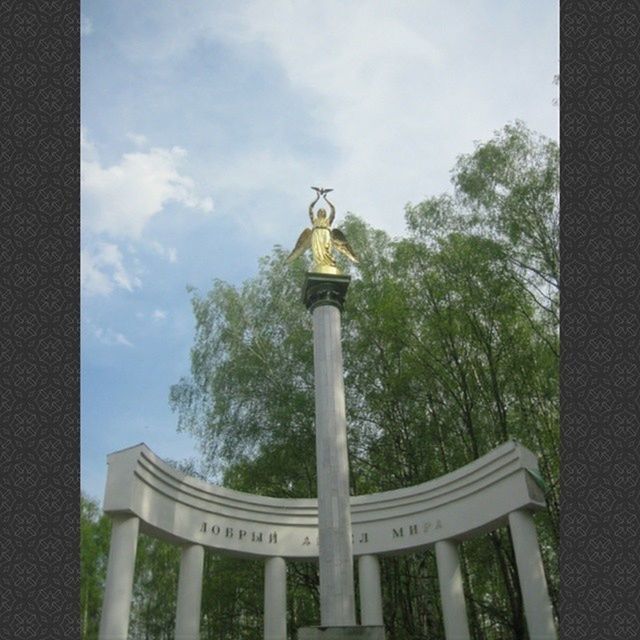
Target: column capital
324,288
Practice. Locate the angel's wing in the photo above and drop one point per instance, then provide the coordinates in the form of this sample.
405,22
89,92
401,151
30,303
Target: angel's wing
304,242
341,245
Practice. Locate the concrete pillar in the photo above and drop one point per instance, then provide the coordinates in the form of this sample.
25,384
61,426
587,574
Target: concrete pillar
533,583
189,592
370,591
118,590
454,611
337,597
275,599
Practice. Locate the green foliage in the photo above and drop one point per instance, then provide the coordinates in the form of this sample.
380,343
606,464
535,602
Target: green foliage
153,610
450,339
507,190
94,548
250,398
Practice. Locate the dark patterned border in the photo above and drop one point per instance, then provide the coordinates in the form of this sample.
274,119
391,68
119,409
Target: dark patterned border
600,364
39,311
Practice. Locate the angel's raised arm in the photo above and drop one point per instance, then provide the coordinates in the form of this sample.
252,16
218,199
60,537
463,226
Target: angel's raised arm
313,204
332,215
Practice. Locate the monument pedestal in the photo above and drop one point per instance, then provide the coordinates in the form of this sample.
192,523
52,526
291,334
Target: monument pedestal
341,633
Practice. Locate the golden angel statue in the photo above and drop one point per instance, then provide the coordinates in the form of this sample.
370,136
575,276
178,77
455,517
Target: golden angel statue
321,238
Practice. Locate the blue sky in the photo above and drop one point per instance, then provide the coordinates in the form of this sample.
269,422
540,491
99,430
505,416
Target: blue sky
204,125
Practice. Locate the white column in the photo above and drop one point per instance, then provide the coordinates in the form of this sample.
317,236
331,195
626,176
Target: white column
533,583
275,599
118,590
337,597
189,592
454,611
370,591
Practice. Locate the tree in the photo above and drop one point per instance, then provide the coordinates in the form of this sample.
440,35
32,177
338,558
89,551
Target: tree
508,190
94,550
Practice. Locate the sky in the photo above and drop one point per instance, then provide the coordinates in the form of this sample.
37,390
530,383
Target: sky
204,124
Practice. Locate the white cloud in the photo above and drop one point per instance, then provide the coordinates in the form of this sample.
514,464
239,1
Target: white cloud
92,280
138,139
157,315
86,26
398,89
168,253
120,200
102,270
88,151
111,338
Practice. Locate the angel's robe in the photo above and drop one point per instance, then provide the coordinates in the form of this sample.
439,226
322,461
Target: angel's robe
321,242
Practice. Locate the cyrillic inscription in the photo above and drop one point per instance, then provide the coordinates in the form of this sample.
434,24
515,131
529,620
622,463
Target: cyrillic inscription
258,537
240,534
415,529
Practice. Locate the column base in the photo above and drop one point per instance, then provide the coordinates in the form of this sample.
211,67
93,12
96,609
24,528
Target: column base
341,633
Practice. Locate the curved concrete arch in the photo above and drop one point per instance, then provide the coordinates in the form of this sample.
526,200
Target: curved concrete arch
184,510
